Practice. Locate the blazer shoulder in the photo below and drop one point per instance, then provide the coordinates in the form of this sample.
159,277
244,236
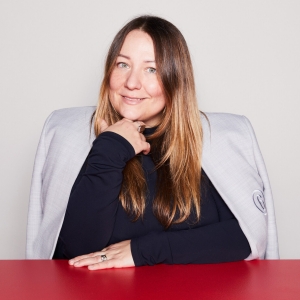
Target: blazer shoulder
224,120
71,115
226,124
74,118
67,123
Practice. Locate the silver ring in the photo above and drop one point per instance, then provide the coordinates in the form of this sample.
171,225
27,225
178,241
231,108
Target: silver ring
103,257
141,128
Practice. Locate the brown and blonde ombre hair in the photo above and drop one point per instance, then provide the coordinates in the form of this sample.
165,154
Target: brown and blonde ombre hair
176,145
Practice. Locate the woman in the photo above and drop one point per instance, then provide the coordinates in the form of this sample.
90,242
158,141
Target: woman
191,188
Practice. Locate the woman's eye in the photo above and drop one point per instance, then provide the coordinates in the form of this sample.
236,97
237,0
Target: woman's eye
151,70
122,65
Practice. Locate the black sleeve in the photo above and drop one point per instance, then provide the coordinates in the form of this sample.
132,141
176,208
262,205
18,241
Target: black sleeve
223,241
93,203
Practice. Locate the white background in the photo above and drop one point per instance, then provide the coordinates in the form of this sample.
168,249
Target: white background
246,57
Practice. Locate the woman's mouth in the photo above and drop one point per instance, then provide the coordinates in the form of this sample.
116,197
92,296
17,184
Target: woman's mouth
132,101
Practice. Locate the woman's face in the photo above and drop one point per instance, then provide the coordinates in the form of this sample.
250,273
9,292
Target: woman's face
135,92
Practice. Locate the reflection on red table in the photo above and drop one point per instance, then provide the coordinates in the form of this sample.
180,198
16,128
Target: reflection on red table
49,279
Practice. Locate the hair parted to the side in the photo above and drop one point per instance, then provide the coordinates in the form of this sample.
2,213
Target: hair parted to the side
176,145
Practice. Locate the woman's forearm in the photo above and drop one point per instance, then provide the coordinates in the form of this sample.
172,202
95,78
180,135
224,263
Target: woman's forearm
214,243
90,215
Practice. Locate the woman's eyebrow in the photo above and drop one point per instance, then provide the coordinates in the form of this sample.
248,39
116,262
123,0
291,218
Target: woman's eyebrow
128,57
122,55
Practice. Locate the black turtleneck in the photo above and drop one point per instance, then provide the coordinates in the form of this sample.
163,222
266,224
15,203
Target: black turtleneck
95,217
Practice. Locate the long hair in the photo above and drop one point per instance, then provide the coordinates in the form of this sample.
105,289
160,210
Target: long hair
176,145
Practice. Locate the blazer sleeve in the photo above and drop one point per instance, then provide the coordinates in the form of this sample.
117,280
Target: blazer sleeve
272,251
35,210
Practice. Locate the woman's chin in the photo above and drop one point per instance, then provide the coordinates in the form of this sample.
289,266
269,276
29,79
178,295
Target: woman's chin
130,116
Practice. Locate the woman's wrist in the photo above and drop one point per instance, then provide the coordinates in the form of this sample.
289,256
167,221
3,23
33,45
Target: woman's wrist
113,146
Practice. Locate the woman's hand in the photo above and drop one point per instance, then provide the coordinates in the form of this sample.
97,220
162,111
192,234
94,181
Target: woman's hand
117,256
129,130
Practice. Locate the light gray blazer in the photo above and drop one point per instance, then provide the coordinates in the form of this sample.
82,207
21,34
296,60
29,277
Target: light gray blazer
231,159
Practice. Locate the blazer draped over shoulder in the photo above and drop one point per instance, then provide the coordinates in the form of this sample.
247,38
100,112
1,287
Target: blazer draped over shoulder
231,159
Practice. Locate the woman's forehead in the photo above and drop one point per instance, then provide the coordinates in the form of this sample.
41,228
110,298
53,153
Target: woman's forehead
136,44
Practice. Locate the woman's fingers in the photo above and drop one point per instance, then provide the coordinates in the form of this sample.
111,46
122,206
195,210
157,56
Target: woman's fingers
101,265
83,257
140,126
115,256
147,149
132,132
88,259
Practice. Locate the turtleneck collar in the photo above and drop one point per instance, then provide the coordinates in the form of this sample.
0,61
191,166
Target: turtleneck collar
149,130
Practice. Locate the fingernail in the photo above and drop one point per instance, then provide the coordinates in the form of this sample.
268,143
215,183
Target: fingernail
71,262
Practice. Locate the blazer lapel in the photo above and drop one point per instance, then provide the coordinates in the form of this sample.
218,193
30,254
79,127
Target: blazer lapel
71,146
226,163
229,162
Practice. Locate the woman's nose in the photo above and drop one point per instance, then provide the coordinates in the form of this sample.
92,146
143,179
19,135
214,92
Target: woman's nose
133,80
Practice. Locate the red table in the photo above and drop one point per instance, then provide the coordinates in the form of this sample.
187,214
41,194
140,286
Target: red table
49,279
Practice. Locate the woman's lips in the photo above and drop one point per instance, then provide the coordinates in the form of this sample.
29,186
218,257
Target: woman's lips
132,101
